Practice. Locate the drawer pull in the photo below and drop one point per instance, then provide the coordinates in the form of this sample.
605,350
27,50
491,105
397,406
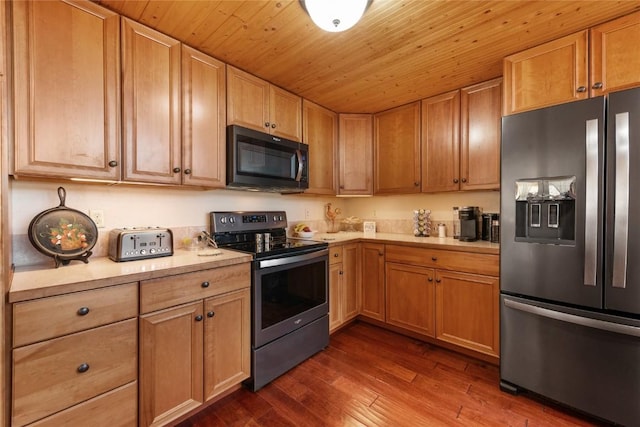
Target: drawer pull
438,280
84,367
336,255
83,311
434,258
205,284
430,279
199,318
211,314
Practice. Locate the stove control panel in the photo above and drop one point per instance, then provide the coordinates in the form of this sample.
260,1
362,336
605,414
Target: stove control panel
129,244
243,221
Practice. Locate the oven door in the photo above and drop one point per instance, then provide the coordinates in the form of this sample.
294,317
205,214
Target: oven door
288,293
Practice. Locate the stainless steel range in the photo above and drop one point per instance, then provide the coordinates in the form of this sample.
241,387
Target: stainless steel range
290,293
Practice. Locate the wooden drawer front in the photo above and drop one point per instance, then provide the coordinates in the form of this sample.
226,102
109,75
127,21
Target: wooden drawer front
45,318
46,376
161,293
117,408
335,254
447,260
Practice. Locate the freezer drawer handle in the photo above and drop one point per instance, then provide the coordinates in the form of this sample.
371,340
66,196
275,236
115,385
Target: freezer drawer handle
617,328
591,202
621,222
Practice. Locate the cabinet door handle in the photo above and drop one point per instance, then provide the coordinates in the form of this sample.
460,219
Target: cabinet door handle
581,89
84,367
380,253
455,180
113,163
273,125
176,170
416,184
267,124
211,313
597,85
438,280
187,171
341,272
205,284
430,279
464,179
434,258
83,311
336,255
199,318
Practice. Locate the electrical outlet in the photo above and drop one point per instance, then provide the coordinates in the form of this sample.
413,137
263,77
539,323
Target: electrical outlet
306,214
97,215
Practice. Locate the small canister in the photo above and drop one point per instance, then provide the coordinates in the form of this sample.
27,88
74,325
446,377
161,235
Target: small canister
495,231
442,230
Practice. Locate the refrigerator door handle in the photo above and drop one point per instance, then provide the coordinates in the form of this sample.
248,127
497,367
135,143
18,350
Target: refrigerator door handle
591,204
617,328
621,222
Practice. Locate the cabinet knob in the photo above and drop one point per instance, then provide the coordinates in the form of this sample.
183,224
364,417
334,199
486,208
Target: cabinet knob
205,284
464,179
176,170
199,318
267,124
211,314
273,125
416,184
597,85
581,89
84,367
187,171
380,253
342,186
113,163
434,258
83,311
438,280
336,255
455,180
430,279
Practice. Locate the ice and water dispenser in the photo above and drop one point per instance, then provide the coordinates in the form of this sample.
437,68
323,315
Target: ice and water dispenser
546,210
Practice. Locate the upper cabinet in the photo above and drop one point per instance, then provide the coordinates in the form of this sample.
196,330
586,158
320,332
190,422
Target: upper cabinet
150,105
397,150
588,63
355,154
255,103
320,132
66,90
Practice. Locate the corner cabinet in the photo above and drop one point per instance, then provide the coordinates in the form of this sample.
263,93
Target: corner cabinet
320,132
255,103
355,154
66,90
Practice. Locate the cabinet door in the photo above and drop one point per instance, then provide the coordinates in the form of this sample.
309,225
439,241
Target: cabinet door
614,65
320,132
67,90
170,363
204,117
467,311
150,105
335,296
351,281
411,298
227,341
247,100
355,151
549,74
441,142
397,150
372,282
285,114
480,131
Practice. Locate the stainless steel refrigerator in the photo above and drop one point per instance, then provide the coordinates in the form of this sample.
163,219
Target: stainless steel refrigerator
570,255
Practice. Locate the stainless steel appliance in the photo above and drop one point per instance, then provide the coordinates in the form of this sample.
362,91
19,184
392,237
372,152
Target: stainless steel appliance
290,290
129,244
569,276
469,223
262,162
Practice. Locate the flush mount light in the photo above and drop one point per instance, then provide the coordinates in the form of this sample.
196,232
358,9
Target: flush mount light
335,15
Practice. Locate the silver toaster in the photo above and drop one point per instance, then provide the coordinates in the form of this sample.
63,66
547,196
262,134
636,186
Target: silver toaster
128,244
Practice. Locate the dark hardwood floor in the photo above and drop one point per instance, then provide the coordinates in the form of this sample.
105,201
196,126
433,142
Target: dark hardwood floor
372,377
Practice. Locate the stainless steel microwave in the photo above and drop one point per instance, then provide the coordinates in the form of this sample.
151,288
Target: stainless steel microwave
262,162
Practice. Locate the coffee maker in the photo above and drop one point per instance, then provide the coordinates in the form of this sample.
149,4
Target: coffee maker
469,223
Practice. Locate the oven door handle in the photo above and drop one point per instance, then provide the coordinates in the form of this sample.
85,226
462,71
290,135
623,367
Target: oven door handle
292,259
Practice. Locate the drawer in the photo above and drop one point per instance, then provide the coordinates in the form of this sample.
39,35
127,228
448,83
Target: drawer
335,254
168,291
469,262
51,317
100,410
47,377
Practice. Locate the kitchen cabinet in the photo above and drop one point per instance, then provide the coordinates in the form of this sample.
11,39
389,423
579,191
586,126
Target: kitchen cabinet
344,284
449,295
194,339
151,112
397,150
355,154
410,298
204,117
320,132
373,281
74,355
66,90
255,103
587,63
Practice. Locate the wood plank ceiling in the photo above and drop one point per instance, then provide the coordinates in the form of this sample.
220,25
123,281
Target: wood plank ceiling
401,51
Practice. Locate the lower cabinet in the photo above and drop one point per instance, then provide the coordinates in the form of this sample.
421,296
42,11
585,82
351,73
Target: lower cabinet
373,281
344,284
410,298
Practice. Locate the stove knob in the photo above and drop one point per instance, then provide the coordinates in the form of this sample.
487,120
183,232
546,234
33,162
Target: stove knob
143,251
223,220
275,218
232,220
152,251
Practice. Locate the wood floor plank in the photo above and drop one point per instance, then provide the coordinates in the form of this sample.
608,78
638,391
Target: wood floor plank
370,377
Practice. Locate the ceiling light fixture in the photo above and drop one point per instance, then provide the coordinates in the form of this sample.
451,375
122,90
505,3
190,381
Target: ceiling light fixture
335,15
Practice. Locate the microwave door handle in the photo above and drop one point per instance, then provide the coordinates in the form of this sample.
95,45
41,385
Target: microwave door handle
300,165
